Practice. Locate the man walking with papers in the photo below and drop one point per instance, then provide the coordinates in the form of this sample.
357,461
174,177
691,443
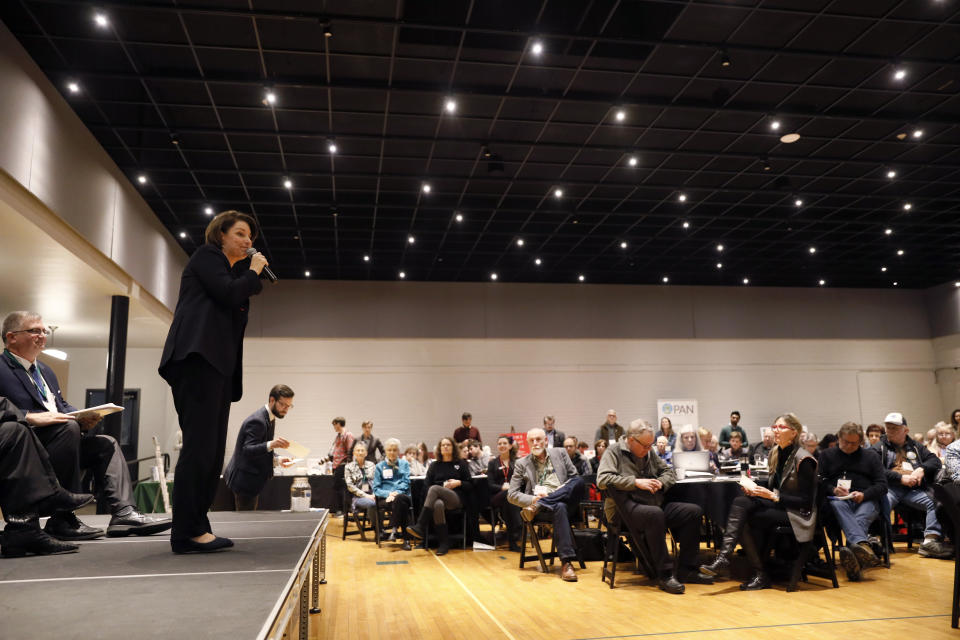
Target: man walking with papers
69,441
253,460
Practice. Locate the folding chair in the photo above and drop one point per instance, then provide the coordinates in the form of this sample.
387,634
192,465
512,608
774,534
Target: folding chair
529,532
612,555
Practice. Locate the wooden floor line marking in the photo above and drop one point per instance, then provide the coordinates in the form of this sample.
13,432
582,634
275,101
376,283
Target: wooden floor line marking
474,598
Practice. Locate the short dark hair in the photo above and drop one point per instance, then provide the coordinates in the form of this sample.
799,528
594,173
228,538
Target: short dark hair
281,391
466,414
223,221
340,421
735,413
854,429
874,427
456,450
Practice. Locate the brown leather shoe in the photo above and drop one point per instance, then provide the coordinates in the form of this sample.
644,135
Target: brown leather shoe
529,512
567,572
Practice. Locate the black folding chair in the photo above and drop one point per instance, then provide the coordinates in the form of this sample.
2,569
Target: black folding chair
529,532
612,554
358,517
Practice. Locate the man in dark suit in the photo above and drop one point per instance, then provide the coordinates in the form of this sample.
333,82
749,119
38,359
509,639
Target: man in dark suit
70,444
555,437
29,487
253,459
547,480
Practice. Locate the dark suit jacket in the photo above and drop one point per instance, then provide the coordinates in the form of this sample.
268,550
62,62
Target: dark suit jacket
251,465
211,314
18,387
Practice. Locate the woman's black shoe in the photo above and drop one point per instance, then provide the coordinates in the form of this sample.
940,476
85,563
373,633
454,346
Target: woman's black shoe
757,582
190,546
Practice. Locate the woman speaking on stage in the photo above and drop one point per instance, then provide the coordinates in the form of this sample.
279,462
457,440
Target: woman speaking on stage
202,363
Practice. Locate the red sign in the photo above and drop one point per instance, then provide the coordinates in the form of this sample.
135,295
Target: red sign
519,439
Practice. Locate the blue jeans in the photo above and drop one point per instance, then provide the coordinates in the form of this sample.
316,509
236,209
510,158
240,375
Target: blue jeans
557,503
854,518
918,500
368,505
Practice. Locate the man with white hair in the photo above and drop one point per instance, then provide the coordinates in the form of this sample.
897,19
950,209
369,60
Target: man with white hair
610,430
764,447
636,480
546,480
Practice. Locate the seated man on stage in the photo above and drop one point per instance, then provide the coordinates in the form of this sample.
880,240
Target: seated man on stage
29,487
636,480
547,480
853,481
251,465
71,445
391,486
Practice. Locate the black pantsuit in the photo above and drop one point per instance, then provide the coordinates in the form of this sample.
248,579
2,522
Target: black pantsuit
62,442
26,476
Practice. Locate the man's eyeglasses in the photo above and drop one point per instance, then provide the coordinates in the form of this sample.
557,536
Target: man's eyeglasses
36,332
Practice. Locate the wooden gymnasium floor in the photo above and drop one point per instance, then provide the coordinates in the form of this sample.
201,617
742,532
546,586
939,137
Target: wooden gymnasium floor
380,593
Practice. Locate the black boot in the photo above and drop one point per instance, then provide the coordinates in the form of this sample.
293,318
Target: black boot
735,522
418,531
443,542
23,536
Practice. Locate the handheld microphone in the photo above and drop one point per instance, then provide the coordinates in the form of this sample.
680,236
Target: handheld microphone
271,276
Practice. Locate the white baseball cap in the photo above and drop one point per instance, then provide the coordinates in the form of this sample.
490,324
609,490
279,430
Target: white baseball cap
895,418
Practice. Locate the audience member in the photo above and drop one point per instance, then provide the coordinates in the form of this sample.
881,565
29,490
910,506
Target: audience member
416,467
636,481
944,435
810,442
582,447
477,460
788,498
733,427
930,436
705,436
663,449
688,439
71,443
955,420
448,481
555,438
735,451
423,454
910,467
391,485
547,480
374,446
358,475
610,430
463,447
828,441
853,481
764,447
500,471
874,431
599,447
579,462
340,453
952,462
466,430
666,430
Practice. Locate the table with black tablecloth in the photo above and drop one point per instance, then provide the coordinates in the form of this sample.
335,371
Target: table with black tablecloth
276,495
713,494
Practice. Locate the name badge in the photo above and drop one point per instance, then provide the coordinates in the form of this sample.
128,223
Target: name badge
613,441
388,473
540,490
906,466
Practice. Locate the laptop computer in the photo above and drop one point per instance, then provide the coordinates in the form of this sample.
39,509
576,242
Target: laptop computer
692,460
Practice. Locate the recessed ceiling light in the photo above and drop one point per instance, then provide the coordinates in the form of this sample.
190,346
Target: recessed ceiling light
366,258
287,183
538,262
620,115
623,245
686,225
719,265
450,105
812,249
899,252
183,234
332,146
746,281
270,98
665,279
142,179
798,202
956,284
900,74
306,274
822,282
402,274
891,174
775,125
917,133
100,19
907,206
883,269
519,242
719,247
632,161
581,277
426,187
493,276
73,87
682,197
536,48
558,193
411,239
888,231
458,217
724,58
789,138
208,211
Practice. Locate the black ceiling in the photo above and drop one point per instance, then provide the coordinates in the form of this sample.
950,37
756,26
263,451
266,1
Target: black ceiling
175,91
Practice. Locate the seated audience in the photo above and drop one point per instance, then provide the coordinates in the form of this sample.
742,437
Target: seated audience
764,447
358,475
448,481
636,481
410,454
789,498
874,431
810,442
463,448
666,430
423,454
735,451
579,462
943,437
500,471
930,436
599,447
828,441
391,486
910,468
476,459
688,439
547,480
610,430
853,482
705,437
663,450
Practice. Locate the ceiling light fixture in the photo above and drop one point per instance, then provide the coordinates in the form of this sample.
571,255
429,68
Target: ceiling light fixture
538,262
536,48
746,281
208,211
812,250
682,197
719,265
183,234
724,58
789,138
558,193
306,274
907,206
519,242
632,161
142,179
411,239
581,277
332,145
719,247
366,258
73,87
899,252
798,202
775,125
888,231
917,134
620,115
270,98
101,20
493,276
665,279
883,269
287,183
686,225
402,274
900,73
822,282
766,164
623,245
426,187
895,283
450,105
891,174
458,217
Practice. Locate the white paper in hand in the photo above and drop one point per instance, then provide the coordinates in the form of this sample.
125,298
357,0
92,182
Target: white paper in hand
297,450
748,483
101,410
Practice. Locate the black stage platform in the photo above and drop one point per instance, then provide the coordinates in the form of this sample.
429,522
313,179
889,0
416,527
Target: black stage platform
136,588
